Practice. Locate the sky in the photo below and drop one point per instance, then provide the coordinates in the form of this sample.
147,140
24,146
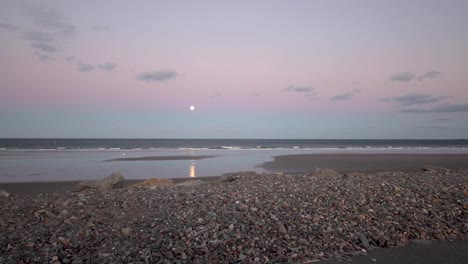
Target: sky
252,69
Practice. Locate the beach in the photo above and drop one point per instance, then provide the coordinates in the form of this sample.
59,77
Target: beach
244,217
364,162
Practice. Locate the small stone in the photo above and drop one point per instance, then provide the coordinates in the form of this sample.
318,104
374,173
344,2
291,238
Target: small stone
126,231
4,194
242,256
281,229
257,259
183,255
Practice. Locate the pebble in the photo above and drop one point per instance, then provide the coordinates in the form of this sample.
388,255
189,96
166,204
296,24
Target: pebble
245,216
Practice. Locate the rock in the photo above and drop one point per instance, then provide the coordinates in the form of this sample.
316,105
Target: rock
355,174
282,229
326,173
433,168
191,183
127,231
230,177
364,242
154,182
114,181
4,193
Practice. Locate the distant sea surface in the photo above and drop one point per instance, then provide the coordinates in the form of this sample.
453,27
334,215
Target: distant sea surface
28,160
102,144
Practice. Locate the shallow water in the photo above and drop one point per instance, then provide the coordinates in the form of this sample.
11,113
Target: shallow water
68,165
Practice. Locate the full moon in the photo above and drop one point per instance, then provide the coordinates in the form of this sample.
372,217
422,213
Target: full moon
192,108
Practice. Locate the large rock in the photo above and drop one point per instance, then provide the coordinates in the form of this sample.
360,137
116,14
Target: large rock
4,193
191,183
326,173
230,177
153,182
114,181
432,168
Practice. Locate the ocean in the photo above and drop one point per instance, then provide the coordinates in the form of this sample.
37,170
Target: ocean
100,144
27,160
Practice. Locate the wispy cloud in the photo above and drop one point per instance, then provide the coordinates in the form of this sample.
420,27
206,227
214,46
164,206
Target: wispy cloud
101,28
38,36
85,67
346,96
8,26
445,108
49,18
44,47
429,75
437,126
402,77
70,58
43,57
108,66
299,89
415,99
214,95
157,76
443,119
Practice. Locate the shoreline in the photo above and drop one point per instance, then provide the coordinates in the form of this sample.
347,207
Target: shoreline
27,188
292,164
347,163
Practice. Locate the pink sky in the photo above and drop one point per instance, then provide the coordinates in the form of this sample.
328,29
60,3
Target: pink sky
238,60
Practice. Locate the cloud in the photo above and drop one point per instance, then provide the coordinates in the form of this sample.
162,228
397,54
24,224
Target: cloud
445,108
49,18
38,36
299,89
108,66
8,26
44,47
429,74
443,119
436,126
415,99
70,58
402,77
214,95
43,57
157,76
101,28
346,96
432,74
84,67
255,94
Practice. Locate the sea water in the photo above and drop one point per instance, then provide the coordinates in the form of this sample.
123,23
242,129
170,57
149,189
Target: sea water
26,160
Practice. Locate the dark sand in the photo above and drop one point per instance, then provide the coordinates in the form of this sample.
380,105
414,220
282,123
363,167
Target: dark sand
21,188
155,158
346,163
418,252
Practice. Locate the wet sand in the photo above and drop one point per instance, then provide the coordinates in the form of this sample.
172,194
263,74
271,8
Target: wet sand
346,163
21,188
155,158
418,252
